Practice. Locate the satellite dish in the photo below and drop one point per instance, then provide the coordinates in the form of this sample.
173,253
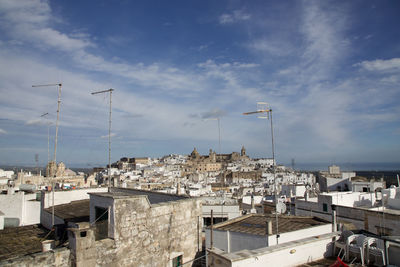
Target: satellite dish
280,207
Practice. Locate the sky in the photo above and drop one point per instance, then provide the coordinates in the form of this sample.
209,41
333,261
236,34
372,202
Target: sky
329,70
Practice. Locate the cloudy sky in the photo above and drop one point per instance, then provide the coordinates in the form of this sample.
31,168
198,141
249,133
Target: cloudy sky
330,70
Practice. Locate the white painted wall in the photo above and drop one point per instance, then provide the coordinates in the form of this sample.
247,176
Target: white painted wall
1,221
46,219
304,252
219,211
7,174
347,175
393,203
237,241
294,190
22,206
303,233
220,239
64,197
240,241
247,200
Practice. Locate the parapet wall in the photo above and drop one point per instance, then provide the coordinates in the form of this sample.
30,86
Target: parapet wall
288,254
58,258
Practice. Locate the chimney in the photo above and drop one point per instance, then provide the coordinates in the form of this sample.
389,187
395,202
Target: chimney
334,223
268,227
47,245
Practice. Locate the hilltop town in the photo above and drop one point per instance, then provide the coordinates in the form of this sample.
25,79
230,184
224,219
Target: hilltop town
214,202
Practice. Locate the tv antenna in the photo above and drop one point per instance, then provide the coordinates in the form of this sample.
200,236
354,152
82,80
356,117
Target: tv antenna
55,143
264,112
109,135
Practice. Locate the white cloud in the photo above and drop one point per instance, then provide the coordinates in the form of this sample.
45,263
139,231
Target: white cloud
326,45
380,65
235,16
31,21
2,131
106,136
213,114
271,46
36,122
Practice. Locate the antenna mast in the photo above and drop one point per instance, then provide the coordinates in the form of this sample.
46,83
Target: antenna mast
48,144
55,143
109,135
262,108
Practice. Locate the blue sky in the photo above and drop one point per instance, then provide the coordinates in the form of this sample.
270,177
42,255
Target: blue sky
330,71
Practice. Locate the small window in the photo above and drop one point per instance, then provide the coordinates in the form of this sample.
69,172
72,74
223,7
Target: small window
177,262
83,234
325,207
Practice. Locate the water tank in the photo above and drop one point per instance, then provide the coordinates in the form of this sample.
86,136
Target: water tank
27,187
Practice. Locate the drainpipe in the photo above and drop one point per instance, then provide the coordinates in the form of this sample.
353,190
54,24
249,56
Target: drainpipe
334,223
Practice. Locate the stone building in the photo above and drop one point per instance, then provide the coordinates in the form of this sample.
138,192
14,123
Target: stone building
211,162
53,169
126,228
231,177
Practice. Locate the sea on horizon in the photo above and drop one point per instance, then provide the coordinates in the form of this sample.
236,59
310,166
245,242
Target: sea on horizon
366,166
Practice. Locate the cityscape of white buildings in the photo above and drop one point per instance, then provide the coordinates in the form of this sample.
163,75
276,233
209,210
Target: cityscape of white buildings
238,211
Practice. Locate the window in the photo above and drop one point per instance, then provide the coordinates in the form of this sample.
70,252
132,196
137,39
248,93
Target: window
101,223
325,207
177,262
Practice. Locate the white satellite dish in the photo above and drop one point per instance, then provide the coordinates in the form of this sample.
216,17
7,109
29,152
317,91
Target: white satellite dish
280,207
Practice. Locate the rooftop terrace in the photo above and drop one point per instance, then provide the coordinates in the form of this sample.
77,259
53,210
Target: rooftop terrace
20,241
154,197
256,224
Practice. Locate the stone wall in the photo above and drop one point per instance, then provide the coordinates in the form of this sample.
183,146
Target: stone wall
151,235
139,234
57,258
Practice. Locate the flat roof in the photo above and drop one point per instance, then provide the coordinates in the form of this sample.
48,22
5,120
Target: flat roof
75,211
255,224
154,197
219,201
20,241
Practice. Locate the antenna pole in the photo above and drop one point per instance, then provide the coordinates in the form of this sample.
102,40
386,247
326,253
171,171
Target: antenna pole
274,171
55,151
109,145
109,135
268,111
58,118
48,144
219,136
55,143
